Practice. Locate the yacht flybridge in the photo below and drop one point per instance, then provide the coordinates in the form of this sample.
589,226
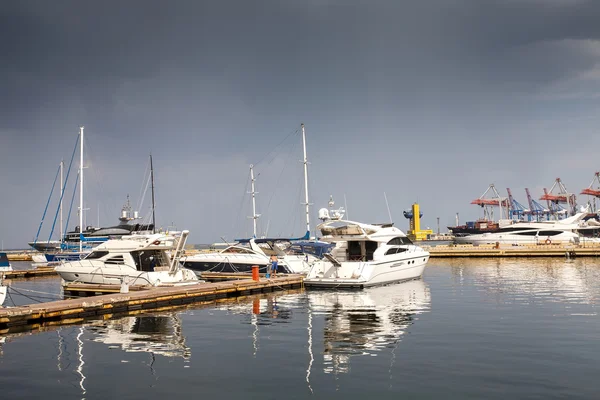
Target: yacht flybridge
364,255
137,260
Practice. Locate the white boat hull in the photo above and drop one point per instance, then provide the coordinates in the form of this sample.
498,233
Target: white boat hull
3,290
507,238
365,274
89,272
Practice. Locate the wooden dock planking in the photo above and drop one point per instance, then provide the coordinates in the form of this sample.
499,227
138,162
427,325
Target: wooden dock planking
160,298
19,256
29,273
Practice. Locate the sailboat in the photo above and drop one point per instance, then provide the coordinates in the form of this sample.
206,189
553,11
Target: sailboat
79,242
241,256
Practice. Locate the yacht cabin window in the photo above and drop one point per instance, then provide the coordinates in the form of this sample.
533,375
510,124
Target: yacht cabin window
96,254
115,260
395,250
400,240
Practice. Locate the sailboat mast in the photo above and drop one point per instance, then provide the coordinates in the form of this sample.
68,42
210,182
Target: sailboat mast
62,166
306,204
254,215
81,188
152,182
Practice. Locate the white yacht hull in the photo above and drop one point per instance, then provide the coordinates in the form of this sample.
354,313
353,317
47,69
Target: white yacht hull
507,238
3,290
93,273
217,262
364,274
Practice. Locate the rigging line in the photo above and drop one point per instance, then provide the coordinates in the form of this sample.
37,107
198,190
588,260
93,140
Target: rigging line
237,218
63,188
141,197
280,175
108,204
279,144
46,208
294,214
72,200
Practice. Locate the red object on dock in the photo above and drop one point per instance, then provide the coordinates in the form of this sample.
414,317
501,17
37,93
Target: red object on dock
255,276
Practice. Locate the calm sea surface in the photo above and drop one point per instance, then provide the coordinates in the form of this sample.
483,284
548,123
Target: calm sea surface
470,329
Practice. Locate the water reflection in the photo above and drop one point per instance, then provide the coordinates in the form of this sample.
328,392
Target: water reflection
156,334
364,322
532,280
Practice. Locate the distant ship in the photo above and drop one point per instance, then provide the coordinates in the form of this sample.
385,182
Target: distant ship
94,235
475,227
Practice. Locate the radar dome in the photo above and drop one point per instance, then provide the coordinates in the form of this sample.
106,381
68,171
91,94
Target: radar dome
323,214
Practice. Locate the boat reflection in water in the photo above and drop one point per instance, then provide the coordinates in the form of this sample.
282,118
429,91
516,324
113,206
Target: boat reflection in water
156,334
364,322
573,282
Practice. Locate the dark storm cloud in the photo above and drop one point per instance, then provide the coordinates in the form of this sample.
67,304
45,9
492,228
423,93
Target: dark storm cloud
428,100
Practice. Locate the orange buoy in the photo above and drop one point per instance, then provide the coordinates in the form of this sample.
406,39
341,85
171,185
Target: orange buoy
255,276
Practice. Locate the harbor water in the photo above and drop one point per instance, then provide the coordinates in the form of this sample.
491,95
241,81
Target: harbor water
470,329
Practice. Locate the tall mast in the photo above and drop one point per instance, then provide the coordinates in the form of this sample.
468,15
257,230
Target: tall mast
152,180
62,165
307,205
253,192
81,188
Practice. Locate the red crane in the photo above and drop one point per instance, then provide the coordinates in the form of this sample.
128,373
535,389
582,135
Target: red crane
561,197
591,191
488,203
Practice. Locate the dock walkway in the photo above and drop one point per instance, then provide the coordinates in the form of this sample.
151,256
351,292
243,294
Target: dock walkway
550,250
152,299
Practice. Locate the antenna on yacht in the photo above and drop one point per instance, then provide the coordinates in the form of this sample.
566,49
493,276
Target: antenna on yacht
152,183
81,189
306,203
388,207
346,207
253,192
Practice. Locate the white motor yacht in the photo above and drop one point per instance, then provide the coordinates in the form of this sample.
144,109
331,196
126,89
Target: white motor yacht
139,260
563,231
365,255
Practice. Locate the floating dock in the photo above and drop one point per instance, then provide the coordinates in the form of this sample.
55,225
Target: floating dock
156,298
29,273
19,256
496,251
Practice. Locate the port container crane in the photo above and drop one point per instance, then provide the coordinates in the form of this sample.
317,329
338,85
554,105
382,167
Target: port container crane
488,204
536,210
563,196
516,209
594,193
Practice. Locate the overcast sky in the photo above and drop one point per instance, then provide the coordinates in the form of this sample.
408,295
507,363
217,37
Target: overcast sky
425,101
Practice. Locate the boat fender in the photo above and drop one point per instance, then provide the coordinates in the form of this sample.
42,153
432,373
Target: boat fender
548,241
156,242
